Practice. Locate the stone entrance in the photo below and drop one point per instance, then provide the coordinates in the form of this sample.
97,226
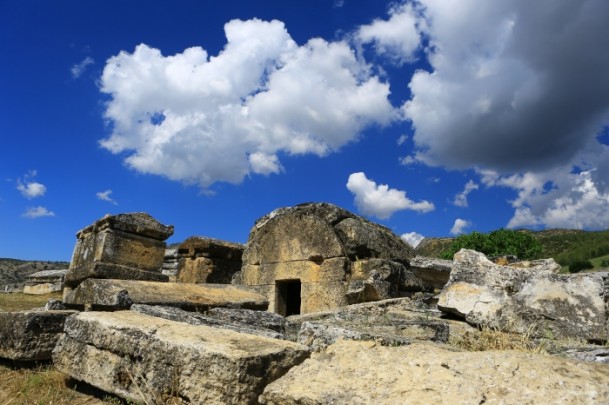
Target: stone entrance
316,256
287,297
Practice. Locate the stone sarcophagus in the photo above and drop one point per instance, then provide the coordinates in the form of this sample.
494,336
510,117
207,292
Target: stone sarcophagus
124,246
317,256
208,260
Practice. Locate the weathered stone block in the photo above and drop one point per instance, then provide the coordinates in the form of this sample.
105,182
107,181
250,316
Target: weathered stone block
433,272
318,336
208,260
127,246
533,300
350,372
121,294
45,282
30,335
250,317
143,358
194,318
99,270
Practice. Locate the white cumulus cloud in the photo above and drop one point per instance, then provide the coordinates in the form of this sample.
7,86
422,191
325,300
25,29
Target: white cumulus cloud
105,196
398,37
201,119
459,226
37,212
461,198
30,188
381,201
413,238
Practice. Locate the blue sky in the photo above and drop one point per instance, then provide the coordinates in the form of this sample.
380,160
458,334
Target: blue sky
430,117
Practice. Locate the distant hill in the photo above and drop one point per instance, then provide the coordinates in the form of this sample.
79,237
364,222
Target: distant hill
13,272
563,245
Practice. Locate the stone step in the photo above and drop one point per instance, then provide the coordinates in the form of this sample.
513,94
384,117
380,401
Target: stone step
121,294
154,360
30,335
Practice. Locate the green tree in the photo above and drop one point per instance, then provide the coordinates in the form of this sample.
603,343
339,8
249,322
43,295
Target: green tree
497,243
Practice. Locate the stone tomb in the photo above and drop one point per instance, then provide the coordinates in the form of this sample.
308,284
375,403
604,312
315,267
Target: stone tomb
125,246
208,260
45,282
317,256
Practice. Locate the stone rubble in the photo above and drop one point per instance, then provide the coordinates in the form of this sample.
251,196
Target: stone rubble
532,300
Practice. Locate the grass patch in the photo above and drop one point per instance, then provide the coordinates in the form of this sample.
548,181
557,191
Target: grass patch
492,339
40,384
23,302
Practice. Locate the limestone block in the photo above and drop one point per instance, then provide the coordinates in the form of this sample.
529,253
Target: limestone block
143,358
121,294
322,296
318,336
207,270
125,245
170,263
43,288
77,275
45,282
117,247
351,372
533,299
362,239
433,272
195,318
208,260
30,335
201,246
307,271
250,317
294,235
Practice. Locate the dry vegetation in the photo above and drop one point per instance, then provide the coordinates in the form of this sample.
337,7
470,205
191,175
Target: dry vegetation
22,384
492,339
40,384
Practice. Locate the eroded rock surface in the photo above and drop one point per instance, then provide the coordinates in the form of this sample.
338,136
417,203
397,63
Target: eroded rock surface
350,372
327,257
433,272
528,298
30,335
208,260
121,294
392,322
195,318
144,358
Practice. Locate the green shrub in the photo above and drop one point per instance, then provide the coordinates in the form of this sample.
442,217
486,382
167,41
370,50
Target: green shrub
580,265
497,243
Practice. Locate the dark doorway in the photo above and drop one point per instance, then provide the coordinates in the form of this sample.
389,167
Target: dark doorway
287,297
